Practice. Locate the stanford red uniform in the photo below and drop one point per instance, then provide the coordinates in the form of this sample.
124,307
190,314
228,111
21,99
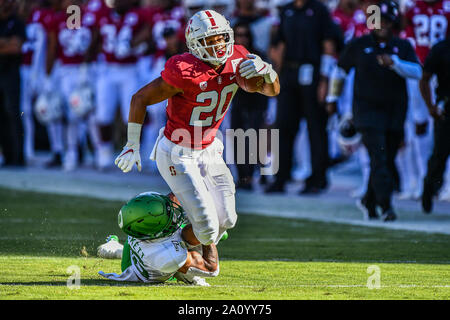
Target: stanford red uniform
205,99
73,44
351,25
427,24
117,32
37,26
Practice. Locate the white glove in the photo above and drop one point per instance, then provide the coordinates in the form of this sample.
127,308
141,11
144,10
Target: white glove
128,157
255,67
130,153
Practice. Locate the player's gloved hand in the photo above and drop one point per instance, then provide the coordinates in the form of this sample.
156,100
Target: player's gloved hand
255,67
128,157
130,154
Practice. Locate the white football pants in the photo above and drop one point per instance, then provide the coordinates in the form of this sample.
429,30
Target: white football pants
203,184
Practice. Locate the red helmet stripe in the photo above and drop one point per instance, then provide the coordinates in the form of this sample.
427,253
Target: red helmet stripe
213,23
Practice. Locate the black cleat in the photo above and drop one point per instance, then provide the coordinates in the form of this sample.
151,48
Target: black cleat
388,215
427,199
310,190
55,162
275,187
369,211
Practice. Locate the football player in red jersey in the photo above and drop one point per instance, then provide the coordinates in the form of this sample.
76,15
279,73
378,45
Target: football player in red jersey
199,87
426,23
123,31
33,66
69,48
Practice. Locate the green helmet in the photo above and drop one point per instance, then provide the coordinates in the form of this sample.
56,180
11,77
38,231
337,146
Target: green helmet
150,216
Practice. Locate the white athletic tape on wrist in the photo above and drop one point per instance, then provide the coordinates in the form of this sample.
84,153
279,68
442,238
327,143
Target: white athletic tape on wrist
192,271
134,132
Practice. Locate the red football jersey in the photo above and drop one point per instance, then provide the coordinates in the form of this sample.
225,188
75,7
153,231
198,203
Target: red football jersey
194,116
351,25
98,7
73,44
427,24
117,32
36,29
173,18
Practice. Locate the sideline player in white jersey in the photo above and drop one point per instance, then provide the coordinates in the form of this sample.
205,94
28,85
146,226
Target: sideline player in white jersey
199,87
159,244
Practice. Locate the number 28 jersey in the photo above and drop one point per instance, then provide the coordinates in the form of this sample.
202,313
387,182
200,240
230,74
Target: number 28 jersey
427,24
195,115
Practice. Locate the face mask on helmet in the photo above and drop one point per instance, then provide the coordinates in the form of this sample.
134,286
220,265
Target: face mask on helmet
202,28
150,216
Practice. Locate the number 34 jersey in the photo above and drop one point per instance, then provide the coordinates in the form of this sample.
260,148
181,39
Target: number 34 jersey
194,116
427,24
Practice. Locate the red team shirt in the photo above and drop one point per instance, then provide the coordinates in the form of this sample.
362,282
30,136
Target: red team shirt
205,99
117,32
37,26
427,24
351,25
73,44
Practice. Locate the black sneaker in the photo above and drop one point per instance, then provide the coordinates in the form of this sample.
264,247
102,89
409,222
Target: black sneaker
427,199
244,186
310,190
55,162
388,215
369,211
275,187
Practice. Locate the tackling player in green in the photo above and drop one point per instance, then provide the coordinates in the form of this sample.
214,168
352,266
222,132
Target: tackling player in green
160,245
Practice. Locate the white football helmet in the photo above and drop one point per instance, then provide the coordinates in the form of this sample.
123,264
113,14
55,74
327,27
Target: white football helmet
81,101
202,25
48,107
348,138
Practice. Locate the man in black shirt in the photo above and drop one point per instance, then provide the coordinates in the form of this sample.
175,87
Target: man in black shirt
438,63
12,35
382,63
305,41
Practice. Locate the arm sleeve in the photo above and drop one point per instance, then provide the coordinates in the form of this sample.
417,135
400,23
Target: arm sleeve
406,69
172,73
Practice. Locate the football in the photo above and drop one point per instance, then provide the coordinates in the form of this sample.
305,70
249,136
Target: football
249,85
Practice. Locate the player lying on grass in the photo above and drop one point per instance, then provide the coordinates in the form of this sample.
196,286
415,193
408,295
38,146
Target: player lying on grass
159,245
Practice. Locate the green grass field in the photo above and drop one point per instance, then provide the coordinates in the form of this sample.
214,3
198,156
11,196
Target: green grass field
264,258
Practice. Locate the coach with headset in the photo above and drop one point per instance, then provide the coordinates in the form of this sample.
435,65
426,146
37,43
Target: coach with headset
382,64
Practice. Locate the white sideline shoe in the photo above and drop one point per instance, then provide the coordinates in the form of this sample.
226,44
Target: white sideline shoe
110,250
